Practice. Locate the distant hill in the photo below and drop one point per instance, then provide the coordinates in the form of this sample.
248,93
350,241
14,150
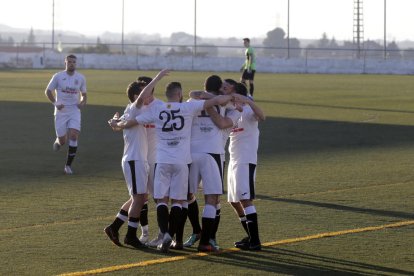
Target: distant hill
44,36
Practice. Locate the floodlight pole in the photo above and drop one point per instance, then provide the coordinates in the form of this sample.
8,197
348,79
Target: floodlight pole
385,29
122,38
195,34
288,29
53,24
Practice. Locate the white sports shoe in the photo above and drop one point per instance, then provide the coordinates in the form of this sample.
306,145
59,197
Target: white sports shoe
56,145
144,238
156,241
68,170
166,242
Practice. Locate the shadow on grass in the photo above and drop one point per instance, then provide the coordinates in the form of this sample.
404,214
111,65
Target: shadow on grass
294,136
338,107
282,261
376,212
28,133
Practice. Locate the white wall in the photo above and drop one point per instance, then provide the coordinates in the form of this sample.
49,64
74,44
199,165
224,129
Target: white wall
270,65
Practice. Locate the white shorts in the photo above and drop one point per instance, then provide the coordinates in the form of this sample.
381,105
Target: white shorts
207,168
136,176
68,119
241,180
151,178
171,180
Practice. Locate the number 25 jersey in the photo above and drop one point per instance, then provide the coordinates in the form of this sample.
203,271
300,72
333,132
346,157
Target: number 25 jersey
173,122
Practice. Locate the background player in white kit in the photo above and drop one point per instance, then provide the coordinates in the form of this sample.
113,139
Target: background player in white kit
135,168
244,142
67,92
173,127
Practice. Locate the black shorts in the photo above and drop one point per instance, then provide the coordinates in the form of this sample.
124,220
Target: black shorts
248,76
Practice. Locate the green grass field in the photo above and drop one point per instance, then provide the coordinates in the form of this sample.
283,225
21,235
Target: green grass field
335,180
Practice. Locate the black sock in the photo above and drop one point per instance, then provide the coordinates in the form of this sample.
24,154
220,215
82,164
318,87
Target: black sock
207,224
216,224
71,155
143,218
174,220
253,227
117,223
132,230
251,89
193,214
162,218
180,228
243,222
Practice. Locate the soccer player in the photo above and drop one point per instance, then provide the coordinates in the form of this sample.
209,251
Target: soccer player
67,92
248,68
244,141
172,122
207,151
135,168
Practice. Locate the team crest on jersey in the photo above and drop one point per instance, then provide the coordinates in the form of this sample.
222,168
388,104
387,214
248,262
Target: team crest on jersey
168,106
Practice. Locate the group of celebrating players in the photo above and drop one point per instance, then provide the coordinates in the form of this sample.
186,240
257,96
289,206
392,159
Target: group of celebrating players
171,150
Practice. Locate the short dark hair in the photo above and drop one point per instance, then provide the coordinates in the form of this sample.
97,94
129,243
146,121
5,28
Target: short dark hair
241,89
134,88
71,56
213,84
145,79
172,88
246,39
231,81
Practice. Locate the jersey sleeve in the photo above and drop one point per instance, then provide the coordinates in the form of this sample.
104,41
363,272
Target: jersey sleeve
146,116
53,83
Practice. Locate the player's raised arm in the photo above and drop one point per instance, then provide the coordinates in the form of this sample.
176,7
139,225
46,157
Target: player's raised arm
217,100
117,125
258,112
200,95
147,91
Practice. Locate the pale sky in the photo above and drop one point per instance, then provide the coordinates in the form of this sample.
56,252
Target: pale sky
215,18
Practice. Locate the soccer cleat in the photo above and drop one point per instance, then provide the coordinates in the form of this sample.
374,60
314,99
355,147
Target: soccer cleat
134,242
177,245
56,145
253,246
207,248
112,235
213,242
242,242
67,170
144,238
156,241
192,240
166,242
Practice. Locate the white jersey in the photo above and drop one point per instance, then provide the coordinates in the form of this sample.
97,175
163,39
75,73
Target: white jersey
244,138
206,137
173,127
68,88
135,138
234,115
151,134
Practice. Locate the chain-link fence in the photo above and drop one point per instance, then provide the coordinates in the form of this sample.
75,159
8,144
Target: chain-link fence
207,57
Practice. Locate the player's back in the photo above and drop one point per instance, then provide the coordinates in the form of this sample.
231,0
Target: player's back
173,128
